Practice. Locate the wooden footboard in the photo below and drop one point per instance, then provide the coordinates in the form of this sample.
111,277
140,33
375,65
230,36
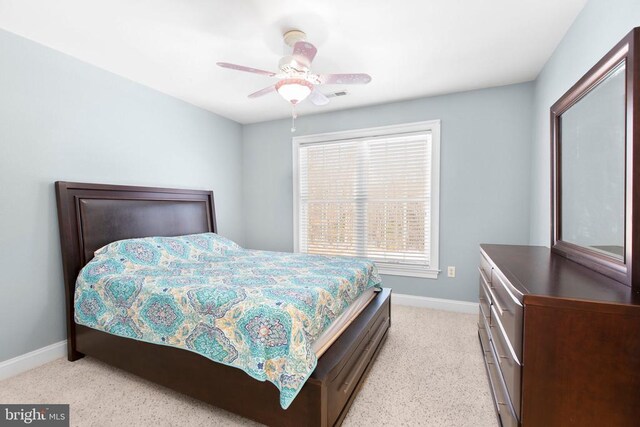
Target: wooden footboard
323,401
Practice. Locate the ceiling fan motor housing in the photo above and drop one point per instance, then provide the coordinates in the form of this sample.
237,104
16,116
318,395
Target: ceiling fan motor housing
290,64
291,37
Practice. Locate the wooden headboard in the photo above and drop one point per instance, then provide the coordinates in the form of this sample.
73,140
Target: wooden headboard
93,215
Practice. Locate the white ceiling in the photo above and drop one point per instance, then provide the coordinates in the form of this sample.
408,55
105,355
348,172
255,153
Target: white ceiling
411,48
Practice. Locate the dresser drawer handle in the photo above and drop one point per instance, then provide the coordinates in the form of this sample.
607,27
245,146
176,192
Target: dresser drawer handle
496,302
484,276
493,295
515,300
500,330
347,384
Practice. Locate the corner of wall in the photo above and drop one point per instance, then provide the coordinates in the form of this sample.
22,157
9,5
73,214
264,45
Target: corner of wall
596,29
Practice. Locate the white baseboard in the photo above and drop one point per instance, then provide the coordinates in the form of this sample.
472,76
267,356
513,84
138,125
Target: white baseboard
435,303
33,359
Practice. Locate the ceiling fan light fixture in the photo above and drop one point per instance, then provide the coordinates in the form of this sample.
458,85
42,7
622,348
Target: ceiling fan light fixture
294,90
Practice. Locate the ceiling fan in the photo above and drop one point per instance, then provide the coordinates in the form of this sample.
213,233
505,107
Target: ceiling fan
296,82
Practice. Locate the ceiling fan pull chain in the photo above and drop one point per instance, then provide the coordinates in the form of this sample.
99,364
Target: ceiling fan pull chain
293,118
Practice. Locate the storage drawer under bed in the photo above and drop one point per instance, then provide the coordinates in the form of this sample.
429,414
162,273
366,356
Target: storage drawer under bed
343,380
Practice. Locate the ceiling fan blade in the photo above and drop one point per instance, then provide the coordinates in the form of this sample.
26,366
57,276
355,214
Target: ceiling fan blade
246,69
305,50
317,98
262,92
345,79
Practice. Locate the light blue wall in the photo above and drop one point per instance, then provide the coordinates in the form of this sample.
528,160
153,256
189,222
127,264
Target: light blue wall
484,177
598,27
61,119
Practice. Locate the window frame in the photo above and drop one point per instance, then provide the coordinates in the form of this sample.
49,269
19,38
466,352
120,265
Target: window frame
433,126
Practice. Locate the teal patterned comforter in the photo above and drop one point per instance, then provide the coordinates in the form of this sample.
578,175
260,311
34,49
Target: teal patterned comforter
255,310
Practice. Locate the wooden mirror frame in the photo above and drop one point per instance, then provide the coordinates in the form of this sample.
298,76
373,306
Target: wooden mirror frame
628,50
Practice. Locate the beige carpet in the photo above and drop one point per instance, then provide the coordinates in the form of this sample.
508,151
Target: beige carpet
429,373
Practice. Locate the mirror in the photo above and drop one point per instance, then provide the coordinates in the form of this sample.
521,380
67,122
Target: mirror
595,189
592,158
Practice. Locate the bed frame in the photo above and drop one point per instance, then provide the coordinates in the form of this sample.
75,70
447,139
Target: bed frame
93,215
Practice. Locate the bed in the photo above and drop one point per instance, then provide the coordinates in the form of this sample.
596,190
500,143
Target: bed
93,215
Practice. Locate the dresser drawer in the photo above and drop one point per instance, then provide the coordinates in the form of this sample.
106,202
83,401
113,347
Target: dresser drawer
505,289
483,332
505,411
485,267
484,299
507,313
509,367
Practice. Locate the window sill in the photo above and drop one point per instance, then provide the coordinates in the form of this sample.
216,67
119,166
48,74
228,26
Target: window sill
406,270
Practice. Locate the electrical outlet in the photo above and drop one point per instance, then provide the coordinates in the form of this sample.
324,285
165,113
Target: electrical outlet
451,271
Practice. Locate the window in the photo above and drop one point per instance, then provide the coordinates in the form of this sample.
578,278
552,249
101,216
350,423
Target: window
370,193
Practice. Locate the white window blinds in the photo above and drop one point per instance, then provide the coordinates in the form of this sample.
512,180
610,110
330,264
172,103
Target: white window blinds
367,197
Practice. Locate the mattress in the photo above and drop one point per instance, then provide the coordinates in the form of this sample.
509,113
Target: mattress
342,322
257,311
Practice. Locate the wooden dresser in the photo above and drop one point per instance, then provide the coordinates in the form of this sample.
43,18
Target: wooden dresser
561,342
